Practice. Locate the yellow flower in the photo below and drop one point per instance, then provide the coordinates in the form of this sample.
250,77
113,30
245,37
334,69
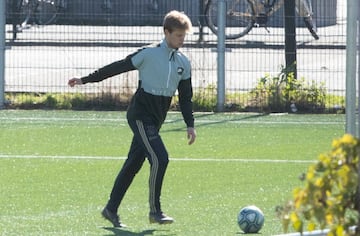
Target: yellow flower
329,219
335,143
311,226
348,139
319,182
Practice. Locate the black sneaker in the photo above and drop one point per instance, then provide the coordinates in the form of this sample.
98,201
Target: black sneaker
112,217
160,218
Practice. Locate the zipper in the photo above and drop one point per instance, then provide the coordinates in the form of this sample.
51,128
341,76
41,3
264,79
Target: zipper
171,58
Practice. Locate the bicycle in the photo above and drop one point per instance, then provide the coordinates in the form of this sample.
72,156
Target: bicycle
243,15
41,12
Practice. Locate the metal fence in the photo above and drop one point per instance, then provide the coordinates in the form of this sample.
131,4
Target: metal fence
86,35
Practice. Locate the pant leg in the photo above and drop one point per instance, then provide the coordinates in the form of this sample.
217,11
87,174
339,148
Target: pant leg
126,175
147,133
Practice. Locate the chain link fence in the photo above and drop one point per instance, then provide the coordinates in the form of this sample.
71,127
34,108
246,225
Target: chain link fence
76,37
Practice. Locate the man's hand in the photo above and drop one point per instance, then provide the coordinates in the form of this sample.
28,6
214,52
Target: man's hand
191,135
74,81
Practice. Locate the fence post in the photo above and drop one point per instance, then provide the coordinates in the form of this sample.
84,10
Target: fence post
357,197
221,56
290,36
358,73
350,96
2,54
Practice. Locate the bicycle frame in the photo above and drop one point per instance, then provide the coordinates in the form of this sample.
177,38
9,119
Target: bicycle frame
243,15
303,8
266,8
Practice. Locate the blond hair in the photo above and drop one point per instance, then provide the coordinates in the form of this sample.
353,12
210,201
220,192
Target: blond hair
177,20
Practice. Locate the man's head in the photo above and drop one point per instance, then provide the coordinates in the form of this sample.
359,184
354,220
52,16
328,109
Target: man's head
177,20
176,24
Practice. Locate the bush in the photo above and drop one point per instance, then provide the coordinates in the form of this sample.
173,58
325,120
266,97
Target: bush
330,197
284,93
281,93
205,99
76,101
51,101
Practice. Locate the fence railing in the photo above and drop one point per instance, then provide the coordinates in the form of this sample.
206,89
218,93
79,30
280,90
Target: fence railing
85,36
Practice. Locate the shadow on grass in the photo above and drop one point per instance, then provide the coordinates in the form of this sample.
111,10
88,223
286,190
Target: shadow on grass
249,233
126,232
212,122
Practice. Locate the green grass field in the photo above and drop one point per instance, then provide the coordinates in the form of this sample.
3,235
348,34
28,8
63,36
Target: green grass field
57,169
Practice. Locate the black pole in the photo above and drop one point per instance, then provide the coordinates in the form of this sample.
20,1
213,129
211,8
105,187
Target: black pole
290,36
201,20
15,14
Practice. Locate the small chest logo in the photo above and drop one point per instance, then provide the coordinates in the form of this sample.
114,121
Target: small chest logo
180,70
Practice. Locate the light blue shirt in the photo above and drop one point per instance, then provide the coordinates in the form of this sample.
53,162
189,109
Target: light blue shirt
161,68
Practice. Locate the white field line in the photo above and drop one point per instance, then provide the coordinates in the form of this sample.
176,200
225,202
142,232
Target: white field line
214,121
197,120
172,159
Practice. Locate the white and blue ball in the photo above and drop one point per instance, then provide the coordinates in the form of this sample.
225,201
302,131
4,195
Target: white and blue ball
250,219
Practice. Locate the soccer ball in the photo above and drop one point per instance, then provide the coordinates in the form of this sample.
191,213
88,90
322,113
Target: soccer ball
250,219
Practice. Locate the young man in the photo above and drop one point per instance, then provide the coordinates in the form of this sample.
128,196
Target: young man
163,69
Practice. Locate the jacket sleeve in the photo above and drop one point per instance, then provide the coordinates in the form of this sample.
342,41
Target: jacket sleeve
185,101
110,70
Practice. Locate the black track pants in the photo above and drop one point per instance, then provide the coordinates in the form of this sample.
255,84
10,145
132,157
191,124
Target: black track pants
146,143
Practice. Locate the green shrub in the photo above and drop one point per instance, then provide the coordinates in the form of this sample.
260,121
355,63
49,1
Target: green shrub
330,197
284,92
271,94
50,101
205,99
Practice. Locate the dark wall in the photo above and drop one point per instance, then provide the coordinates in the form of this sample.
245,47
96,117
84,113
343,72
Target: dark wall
143,12
324,14
119,12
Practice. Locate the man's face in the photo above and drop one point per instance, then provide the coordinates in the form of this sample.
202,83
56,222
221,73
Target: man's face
176,38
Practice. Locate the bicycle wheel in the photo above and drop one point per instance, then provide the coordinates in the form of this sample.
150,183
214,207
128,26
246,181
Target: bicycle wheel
240,17
45,12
